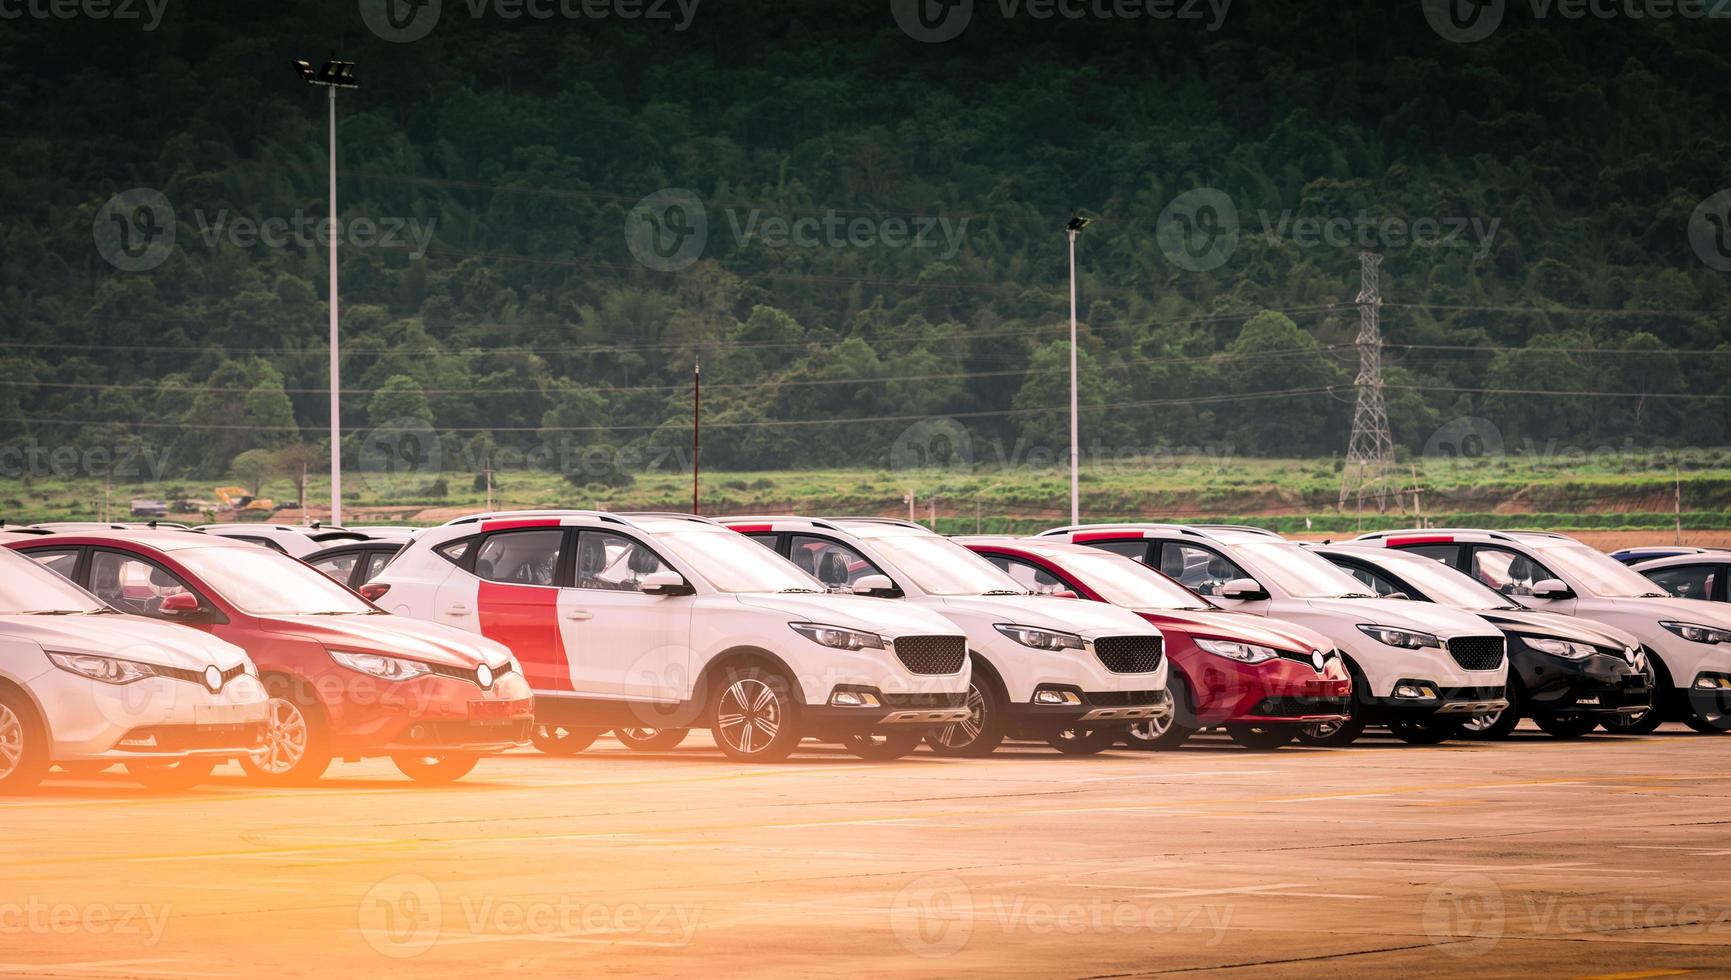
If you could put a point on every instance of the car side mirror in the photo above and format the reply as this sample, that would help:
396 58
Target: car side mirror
1552 588
877 585
181 605
1243 590
664 583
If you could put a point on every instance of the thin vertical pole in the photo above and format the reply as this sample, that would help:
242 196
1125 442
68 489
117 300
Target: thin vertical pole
336 382
1075 495
696 426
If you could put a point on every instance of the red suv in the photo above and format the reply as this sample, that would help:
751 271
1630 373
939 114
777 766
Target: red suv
1260 679
346 679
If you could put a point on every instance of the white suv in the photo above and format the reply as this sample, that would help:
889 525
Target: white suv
83 687
1688 641
1416 667
1075 674
659 622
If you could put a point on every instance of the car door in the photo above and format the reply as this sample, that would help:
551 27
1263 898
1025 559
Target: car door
1698 581
836 565
1032 577
621 643
1514 573
1376 581
507 590
1202 570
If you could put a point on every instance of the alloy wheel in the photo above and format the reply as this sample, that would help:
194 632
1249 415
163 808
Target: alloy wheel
11 741
748 716
285 738
962 733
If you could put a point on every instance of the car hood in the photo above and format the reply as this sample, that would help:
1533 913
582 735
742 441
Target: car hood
1426 617
395 636
1046 612
1560 626
1700 611
885 617
127 637
1240 626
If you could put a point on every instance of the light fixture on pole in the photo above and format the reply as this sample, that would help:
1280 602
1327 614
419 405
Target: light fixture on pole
1075 225
334 75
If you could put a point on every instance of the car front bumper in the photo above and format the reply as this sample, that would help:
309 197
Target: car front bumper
157 718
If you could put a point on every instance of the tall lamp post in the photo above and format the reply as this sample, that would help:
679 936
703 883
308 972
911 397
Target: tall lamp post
1075 225
334 75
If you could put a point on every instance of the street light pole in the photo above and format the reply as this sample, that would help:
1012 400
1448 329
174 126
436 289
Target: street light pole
1076 224
334 75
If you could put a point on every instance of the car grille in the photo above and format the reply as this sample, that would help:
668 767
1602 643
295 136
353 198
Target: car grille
1477 652
1123 699
197 676
932 654
1129 654
1299 707
463 674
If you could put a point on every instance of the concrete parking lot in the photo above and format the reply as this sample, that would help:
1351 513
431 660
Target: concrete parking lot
1604 857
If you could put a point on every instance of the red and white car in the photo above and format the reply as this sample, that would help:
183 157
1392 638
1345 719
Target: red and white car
1259 678
651 624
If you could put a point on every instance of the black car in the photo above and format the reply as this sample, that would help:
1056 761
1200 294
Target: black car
1566 674
355 563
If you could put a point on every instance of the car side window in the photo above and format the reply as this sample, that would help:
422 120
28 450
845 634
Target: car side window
527 557
767 540
1030 576
131 584
454 551
613 562
1686 581
1137 548
63 562
833 563
261 542
1445 553
1377 583
337 567
1509 572
376 562
1200 569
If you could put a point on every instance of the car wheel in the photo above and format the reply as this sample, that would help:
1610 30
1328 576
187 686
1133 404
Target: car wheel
1262 737
1495 727
436 769
23 750
1428 732
1566 726
882 748
296 742
1171 731
1706 713
1084 741
754 717
171 776
650 739
985 727
1648 721
560 740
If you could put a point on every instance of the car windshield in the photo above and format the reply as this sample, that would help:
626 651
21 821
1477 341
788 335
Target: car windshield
939 566
1299 573
732 562
1597 572
26 587
1441 583
261 582
1127 582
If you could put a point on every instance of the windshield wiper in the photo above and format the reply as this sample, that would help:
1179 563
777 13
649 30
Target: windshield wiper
53 612
808 591
1355 595
1005 592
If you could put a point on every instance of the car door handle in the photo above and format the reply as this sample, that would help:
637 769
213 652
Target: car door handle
579 614
457 610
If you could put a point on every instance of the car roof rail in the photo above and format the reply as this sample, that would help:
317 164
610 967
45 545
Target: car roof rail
501 515
1191 529
1403 532
667 515
889 521
813 521
1246 528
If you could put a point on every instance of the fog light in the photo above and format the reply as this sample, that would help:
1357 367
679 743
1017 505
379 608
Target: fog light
1050 697
1415 691
853 699
138 742
1713 682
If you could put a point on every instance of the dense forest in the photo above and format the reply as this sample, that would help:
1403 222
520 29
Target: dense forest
880 230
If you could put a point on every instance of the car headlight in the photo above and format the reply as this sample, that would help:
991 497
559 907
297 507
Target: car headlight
108 670
1698 634
381 666
1560 648
1395 637
838 637
1246 653
1039 639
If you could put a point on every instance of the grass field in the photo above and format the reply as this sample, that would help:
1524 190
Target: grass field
1600 491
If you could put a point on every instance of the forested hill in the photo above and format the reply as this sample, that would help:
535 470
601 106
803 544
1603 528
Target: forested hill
488 171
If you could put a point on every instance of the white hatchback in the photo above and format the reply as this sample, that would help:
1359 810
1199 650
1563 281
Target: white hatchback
83 687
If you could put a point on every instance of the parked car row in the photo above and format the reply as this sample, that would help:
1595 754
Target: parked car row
172 649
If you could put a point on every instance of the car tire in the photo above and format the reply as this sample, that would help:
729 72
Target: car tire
1084 741
23 747
297 739
1172 731
1566 726
169 777
1335 734
1262 738
875 747
754 715
1645 722
1495 728
434 770
986 726
559 740
1429 732
650 739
